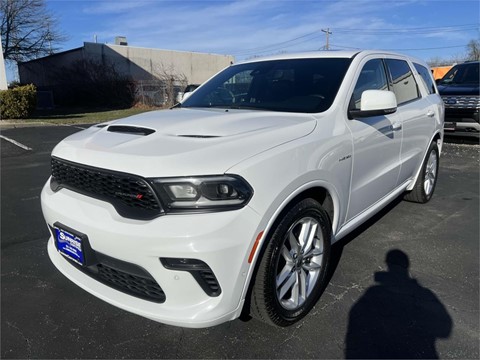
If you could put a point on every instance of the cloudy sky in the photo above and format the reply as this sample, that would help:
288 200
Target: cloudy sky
244 28
247 28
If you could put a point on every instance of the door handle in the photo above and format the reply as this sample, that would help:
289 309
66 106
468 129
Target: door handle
430 113
397 126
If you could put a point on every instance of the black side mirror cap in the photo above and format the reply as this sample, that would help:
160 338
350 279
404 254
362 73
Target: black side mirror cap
354 114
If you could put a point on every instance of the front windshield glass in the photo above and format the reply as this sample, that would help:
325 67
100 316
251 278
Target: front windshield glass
462 74
294 85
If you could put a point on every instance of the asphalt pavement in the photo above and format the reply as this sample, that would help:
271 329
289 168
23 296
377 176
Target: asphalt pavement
406 283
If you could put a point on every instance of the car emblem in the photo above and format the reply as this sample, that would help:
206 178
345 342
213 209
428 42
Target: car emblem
451 101
132 196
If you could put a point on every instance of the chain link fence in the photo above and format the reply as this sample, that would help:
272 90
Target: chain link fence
158 93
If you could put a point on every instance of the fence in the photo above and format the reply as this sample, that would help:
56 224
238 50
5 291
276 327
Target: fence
157 92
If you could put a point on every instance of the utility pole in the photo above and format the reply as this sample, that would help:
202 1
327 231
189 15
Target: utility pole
327 33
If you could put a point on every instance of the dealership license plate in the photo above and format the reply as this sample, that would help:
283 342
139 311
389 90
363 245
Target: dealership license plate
70 245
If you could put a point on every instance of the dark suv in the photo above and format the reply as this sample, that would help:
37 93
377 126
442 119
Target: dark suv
460 92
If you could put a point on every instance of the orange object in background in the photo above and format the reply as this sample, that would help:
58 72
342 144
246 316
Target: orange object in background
440 71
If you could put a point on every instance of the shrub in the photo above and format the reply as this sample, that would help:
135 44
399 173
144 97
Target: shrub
18 103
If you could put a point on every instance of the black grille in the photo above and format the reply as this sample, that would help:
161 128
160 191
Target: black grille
143 287
131 195
210 280
122 276
200 271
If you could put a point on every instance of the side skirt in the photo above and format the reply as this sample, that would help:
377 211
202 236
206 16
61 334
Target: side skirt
356 221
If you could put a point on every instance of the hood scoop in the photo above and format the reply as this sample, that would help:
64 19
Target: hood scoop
134 130
200 136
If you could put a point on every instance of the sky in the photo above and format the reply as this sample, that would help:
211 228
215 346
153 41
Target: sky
245 28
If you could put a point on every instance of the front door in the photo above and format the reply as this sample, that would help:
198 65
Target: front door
376 145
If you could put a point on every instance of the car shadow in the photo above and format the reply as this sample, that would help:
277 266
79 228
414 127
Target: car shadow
396 317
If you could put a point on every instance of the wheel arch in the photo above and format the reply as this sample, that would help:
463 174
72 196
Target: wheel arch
438 138
328 199
322 193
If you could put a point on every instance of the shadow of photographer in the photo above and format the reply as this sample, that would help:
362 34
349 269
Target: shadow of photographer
397 317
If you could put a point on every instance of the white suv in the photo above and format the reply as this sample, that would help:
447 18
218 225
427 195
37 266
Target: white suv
234 197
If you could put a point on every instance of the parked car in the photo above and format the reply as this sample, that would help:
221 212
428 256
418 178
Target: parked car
230 202
460 92
183 95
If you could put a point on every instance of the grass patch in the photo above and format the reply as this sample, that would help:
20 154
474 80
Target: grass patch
77 116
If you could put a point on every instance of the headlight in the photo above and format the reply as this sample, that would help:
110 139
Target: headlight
210 193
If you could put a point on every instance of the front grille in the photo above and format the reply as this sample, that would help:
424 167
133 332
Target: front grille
142 287
461 102
131 195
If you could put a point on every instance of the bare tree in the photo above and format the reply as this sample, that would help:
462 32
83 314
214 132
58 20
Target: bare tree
28 30
473 50
170 80
439 61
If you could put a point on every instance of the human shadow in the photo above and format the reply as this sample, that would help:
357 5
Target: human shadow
397 317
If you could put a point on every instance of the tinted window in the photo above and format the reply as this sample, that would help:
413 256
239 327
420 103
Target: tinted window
372 77
404 84
296 85
462 74
427 77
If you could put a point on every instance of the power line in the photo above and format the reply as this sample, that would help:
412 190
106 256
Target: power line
411 49
316 33
391 32
427 28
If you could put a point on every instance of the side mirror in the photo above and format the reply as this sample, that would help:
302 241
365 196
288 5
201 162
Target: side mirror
375 103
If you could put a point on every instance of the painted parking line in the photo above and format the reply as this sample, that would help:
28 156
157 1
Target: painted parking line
25 147
76 127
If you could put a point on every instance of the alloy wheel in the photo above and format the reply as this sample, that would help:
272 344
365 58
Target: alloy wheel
300 263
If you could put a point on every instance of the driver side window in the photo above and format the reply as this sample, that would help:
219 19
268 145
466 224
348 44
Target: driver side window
372 77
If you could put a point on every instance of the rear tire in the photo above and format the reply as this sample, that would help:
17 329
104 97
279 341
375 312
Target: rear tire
424 187
292 272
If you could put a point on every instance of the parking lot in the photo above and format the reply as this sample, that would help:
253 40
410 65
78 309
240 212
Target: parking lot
424 304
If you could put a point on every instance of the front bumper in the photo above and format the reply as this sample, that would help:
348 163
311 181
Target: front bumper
222 240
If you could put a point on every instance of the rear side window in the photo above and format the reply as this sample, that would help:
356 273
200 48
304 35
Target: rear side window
427 77
404 84
372 77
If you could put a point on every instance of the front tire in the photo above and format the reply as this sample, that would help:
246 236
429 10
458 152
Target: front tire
292 272
424 187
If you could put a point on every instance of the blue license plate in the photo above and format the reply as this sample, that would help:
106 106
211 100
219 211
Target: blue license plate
70 245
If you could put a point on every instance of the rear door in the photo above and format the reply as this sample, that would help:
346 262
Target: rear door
416 115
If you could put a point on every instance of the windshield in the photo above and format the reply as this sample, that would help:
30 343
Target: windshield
462 75
294 85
